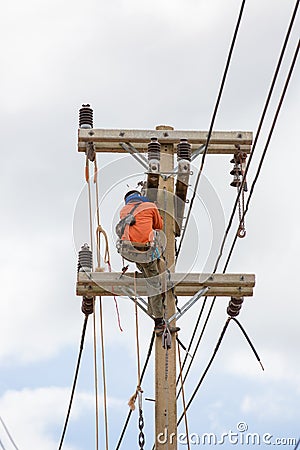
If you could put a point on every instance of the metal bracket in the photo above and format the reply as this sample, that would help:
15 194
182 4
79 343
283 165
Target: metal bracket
130 294
135 153
188 304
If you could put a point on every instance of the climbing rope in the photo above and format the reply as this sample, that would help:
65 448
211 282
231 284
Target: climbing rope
100 231
103 372
142 376
87 177
96 375
139 392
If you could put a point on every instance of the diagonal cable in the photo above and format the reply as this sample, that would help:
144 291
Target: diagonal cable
74 382
8 434
266 145
212 123
247 206
275 76
142 376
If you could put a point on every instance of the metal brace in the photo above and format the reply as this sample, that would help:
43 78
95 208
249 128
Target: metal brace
188 304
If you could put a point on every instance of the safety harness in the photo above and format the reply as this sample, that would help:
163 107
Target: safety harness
135 251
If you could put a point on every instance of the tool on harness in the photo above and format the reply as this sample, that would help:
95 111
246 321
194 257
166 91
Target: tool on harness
137 252
124 269
129 219
167 339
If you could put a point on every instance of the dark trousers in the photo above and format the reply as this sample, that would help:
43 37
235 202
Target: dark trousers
151 273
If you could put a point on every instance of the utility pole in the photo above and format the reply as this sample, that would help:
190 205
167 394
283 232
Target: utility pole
194 285
165 359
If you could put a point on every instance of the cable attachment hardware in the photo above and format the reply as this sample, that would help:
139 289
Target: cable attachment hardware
87 306
239 161
141 422
166 338
90 151
234 306
85 259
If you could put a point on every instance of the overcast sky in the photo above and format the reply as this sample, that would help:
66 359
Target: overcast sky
141 64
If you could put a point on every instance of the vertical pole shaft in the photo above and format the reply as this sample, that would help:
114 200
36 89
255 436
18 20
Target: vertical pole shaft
165 386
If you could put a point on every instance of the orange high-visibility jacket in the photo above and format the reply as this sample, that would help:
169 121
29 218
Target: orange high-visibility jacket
147 219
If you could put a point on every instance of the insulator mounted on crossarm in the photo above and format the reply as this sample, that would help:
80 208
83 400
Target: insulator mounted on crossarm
184 153
85 259
87 306
153 169
86 117
234 306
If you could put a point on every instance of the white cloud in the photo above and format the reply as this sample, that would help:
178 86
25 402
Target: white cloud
139 64
273 405
30 414
279 366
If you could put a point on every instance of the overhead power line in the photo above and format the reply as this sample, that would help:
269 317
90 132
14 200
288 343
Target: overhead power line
266 106
257 134
213 357
8 434
212 123
142 376
75 381
297 445
266 145
247 206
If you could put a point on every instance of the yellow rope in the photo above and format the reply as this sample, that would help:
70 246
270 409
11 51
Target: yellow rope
96 375
100 230
131 402
103 374
106 260
183 398
87 177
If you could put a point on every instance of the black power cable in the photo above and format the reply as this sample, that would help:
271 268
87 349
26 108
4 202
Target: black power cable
142 376
212 122
206 370
297 445
213 357
198 342
75 381
192 339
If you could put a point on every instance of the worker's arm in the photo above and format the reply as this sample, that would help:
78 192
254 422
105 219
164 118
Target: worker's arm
157 220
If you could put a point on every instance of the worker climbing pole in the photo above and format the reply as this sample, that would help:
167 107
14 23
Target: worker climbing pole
166 200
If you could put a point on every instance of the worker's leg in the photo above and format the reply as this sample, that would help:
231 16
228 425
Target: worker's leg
151 273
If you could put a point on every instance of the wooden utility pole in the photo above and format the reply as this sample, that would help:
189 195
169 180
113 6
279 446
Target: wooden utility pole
165 359
92 284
